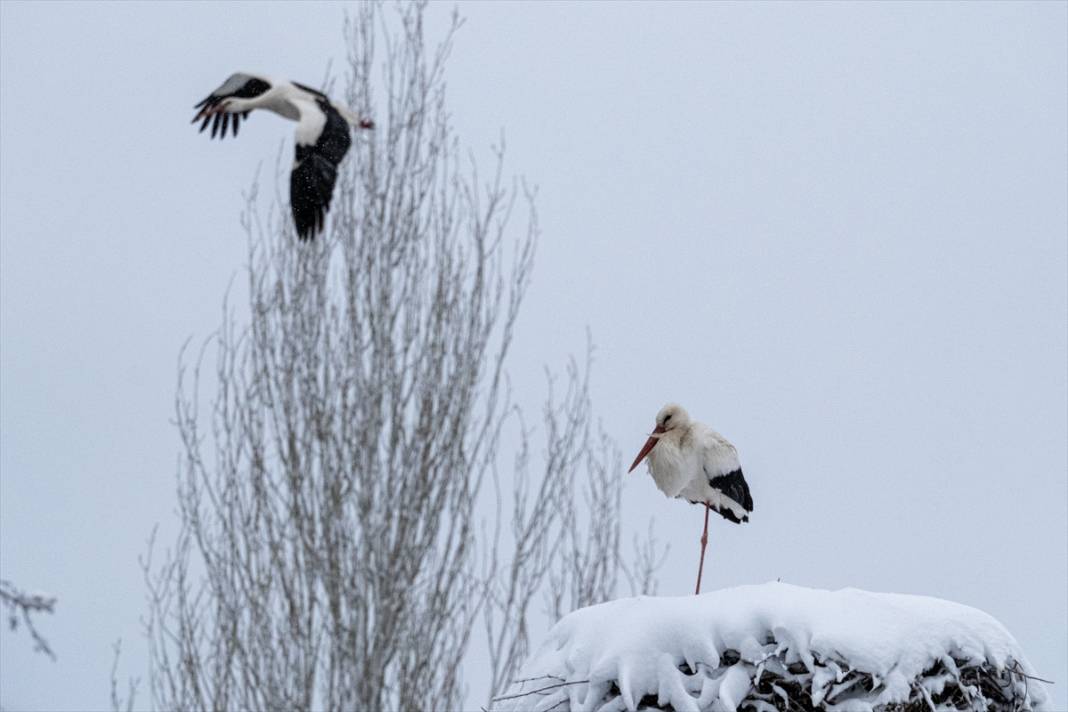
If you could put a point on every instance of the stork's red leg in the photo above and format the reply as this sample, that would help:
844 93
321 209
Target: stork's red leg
704 541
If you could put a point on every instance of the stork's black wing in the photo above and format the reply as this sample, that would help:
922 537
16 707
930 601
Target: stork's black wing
222 121
241 86
311 184
733 485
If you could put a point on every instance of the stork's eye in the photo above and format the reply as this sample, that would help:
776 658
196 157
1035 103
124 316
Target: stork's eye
667 418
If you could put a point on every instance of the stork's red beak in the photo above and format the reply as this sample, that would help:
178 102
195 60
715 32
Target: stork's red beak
648 447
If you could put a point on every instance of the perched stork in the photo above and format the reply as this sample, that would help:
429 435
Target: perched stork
322 136
691 461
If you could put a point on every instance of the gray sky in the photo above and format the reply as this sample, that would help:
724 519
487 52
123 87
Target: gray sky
836 233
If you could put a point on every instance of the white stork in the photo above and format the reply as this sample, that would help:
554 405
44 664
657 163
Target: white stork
691 461
322 136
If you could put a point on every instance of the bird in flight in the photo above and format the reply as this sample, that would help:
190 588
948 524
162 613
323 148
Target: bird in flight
322 136
691 461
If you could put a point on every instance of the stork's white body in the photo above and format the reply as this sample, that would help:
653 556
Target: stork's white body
686 459
296 104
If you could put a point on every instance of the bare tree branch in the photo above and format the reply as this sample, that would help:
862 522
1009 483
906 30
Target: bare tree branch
119 703
21 607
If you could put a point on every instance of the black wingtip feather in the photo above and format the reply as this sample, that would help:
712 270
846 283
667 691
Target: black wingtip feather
733 485
204 125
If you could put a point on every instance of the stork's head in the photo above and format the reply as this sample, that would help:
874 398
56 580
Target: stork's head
670 417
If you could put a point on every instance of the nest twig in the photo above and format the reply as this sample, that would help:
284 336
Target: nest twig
949 684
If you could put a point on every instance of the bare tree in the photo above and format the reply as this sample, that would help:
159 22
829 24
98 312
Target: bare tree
514 583
568 554
330 554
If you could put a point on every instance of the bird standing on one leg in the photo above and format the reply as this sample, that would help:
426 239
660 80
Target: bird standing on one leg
691 461
322 136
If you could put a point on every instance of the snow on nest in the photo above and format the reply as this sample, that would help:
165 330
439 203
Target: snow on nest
698 653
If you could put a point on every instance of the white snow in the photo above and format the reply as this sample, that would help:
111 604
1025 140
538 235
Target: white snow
639 643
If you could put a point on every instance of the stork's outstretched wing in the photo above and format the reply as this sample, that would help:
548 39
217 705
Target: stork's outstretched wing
241 86
322 141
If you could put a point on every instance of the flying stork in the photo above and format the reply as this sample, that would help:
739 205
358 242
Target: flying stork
322 136
691 461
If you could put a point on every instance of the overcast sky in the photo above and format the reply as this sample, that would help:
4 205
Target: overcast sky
836 233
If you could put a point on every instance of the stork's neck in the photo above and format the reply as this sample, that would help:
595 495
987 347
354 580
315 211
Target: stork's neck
667 463
678 437
279 99
237 105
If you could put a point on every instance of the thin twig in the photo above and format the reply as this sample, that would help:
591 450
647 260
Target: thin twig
539 690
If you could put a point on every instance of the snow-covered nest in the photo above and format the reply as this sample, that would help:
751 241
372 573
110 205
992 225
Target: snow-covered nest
777 647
